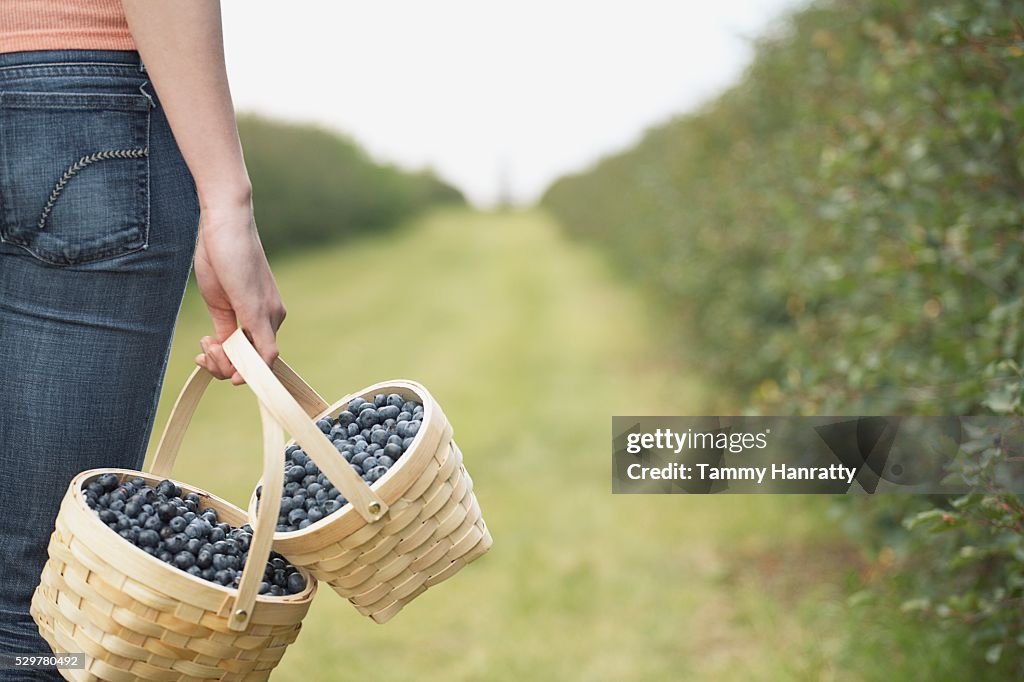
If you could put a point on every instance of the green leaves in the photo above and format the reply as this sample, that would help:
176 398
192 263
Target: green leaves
843 232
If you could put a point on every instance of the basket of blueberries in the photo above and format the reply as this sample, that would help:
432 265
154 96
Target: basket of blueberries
154 579
375 500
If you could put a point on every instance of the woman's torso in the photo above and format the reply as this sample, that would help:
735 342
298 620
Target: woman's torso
70 25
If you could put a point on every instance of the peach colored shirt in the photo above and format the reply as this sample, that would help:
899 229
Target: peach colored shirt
63 25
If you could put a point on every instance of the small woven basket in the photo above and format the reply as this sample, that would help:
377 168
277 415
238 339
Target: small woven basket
413 528
137 618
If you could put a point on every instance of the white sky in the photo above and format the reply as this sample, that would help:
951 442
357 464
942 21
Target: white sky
480 88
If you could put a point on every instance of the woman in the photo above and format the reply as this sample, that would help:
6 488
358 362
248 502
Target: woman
119 159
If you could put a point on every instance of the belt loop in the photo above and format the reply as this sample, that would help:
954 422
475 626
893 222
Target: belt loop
142 67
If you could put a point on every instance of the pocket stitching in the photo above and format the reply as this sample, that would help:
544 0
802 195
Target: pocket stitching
82 163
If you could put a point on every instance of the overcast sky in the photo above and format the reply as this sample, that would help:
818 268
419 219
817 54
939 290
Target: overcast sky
480 90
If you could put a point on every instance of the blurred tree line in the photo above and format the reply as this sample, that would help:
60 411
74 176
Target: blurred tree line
312 185
842 232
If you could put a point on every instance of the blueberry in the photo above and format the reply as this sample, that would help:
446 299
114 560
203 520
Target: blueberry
176 543
331 506
153 523
413 428
295 473
276 591
296 583
224 577
355 404
353 429
364 407
408 406
322 496
194 570
281 527
345 418
392 451
313 488
368 418
368 463
359 457
220 547
108 517
386 461
338 431
220 562
139 483
333 493
280 577
264 587
178 523
208 573
210 515
204 559
395 400
375 473
304 523
310 503
325 425
341 446
394 438
149 538
165 556
184 560
404 416
166 511
291 487
286 505
388 412
379 437
314 515
108 481
168 489
359 447
96 488
166 532
216 535
300 457
407 443
311 468
193 546
291 448
296 515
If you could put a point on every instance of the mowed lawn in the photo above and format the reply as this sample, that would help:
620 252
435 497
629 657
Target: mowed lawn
530 344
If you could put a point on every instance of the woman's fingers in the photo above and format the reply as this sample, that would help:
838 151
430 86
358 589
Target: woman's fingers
216 361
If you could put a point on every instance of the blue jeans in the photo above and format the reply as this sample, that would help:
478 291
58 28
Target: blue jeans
98 225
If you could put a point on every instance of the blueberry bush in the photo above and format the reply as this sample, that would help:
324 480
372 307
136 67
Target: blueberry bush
842 232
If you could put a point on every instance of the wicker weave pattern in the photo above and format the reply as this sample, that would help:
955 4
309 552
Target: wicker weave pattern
433 526
137 618
429 533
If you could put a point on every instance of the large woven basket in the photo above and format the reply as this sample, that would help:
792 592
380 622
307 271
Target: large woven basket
413 528
137 618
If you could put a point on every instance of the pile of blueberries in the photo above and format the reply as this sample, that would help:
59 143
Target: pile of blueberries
173 528
370 435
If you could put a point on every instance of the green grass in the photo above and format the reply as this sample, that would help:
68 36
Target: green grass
531 344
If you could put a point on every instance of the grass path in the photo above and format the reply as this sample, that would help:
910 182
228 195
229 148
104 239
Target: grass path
530 344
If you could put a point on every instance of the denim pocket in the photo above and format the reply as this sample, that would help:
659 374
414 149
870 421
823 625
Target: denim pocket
74 174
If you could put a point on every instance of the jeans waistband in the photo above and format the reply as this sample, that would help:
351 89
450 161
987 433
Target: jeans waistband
56 61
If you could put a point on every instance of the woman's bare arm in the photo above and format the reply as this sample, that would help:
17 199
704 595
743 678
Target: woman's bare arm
183 49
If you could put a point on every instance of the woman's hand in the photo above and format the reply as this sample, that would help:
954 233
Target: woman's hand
235 281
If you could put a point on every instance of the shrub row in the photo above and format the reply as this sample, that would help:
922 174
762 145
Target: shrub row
842 231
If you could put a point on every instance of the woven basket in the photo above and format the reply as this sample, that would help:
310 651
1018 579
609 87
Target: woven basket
137 618
413 528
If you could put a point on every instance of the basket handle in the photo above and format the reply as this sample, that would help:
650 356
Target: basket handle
266 524
273 394
241 606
